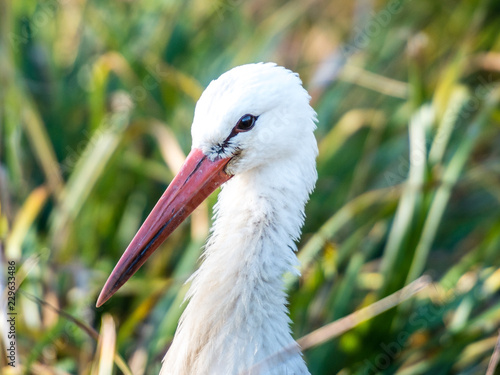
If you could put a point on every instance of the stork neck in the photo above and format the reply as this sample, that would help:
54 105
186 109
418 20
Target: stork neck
238 289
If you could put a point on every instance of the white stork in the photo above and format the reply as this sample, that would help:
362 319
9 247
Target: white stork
253 134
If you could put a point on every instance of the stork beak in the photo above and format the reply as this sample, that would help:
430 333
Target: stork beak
197 179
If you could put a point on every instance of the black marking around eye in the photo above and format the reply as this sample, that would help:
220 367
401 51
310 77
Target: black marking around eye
220 148
246 123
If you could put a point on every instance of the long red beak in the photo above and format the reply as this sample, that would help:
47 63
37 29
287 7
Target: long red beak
197 179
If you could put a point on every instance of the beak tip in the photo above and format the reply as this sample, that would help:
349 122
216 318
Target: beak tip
101 300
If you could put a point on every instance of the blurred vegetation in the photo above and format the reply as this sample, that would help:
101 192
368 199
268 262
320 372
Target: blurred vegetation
96 103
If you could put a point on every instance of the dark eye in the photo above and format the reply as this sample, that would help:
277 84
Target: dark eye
245 123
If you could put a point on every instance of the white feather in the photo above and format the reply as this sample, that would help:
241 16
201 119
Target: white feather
236 321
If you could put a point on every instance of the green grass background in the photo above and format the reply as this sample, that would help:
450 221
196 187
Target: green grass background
96 103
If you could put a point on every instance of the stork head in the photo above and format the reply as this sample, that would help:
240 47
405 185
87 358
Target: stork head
250 116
